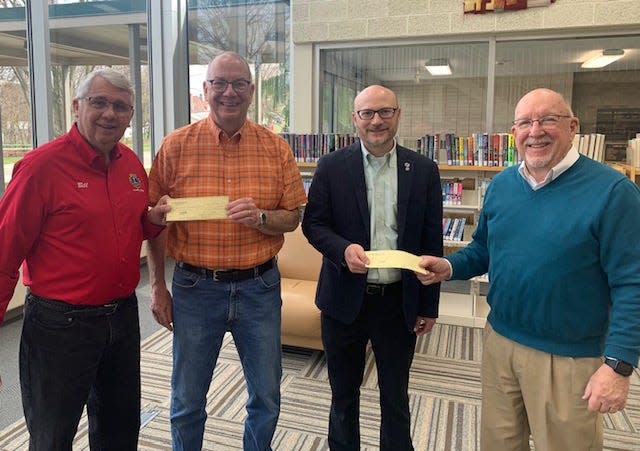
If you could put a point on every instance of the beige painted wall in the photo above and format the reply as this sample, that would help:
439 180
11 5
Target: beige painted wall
315 21
339 22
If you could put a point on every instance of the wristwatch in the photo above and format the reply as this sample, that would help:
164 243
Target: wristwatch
262 219
619 366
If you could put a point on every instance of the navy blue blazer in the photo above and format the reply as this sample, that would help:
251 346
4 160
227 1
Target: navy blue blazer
337 214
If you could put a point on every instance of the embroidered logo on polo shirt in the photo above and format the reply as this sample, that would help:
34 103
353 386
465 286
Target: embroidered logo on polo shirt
135 181
83 184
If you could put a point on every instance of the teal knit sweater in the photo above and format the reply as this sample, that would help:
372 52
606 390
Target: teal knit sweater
563 261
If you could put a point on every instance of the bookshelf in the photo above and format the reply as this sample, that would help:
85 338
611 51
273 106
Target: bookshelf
464 302
619 125
630 171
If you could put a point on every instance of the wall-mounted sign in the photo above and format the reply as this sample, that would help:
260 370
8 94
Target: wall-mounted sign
497 6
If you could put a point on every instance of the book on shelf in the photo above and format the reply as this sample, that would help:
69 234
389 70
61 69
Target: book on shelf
429 145
451 192
478 149
308 148
633 151
453 228
590 145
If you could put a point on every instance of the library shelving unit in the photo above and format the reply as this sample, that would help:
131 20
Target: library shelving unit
630 171
464 303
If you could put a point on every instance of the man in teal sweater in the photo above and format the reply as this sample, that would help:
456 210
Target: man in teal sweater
559 236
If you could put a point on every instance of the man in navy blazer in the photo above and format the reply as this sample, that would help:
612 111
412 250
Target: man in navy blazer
373 195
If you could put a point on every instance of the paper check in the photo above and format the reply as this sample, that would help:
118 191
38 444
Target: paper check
197 208
394 259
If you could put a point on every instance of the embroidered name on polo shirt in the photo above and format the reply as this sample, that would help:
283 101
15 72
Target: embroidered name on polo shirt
83 184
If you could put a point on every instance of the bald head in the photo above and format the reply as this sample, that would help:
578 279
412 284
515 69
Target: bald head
374 92
544 97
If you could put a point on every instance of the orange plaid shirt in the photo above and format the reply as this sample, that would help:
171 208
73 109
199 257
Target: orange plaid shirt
201 160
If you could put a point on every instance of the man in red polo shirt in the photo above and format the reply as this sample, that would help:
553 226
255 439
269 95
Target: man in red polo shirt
76 212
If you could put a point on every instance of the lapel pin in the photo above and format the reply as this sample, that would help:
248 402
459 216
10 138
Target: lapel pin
407 166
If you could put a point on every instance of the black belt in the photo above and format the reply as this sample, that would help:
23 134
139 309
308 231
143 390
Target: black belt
229 275
381 289
81 310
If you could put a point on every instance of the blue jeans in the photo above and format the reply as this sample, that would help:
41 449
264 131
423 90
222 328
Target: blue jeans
203 310
71 356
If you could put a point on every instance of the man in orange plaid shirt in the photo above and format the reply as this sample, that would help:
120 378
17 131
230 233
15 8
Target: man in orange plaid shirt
226 278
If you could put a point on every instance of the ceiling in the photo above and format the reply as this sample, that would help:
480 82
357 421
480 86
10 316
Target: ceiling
469 60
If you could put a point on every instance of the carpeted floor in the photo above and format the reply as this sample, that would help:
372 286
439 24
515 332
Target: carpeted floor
444 395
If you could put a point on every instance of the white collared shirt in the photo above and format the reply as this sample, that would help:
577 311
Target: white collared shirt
569 160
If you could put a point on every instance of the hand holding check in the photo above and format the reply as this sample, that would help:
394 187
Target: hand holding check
197 208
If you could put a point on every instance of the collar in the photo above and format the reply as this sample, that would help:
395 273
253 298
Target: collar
221 136
569 160
389 157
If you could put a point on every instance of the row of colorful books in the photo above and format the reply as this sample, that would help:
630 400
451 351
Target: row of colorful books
479 149
308 148
451 192
453 228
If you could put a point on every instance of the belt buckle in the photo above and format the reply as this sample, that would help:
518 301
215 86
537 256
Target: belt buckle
215 275
374 290
112 306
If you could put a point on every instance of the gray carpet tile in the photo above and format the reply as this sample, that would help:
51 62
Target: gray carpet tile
444 397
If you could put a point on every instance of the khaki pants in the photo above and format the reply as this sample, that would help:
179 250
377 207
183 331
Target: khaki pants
529 392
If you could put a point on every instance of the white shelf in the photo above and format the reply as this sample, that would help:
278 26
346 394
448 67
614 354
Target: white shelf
455 309
453 243
468 208
466 309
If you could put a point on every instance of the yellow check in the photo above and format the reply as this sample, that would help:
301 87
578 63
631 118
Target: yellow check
394 259
197 208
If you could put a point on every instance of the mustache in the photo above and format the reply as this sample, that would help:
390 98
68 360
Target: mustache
537 142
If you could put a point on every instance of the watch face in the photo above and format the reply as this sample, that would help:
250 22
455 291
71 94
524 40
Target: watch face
624 368
619 366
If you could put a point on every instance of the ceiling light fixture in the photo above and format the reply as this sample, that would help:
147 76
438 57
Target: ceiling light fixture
437 67
607 57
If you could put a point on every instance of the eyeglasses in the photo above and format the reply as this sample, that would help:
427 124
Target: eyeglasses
220 84
101 104
546 122
384 113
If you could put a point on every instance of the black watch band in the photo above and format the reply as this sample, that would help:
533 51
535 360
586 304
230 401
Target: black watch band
619 366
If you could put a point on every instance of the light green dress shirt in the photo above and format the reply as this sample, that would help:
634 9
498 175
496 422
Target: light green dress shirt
381 178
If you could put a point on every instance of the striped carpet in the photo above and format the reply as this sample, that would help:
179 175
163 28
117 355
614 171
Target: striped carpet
444 396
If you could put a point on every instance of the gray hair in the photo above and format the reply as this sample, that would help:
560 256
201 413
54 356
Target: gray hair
115 78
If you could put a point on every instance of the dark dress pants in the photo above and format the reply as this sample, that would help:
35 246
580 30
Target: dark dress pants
71 356
381 321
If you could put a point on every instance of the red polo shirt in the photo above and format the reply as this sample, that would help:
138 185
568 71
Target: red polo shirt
76 222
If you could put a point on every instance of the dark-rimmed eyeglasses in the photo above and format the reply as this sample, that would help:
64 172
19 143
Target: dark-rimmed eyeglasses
101 104
220 84
548 122
384 113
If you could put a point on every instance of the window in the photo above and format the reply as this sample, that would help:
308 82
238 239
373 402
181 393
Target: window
258 31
